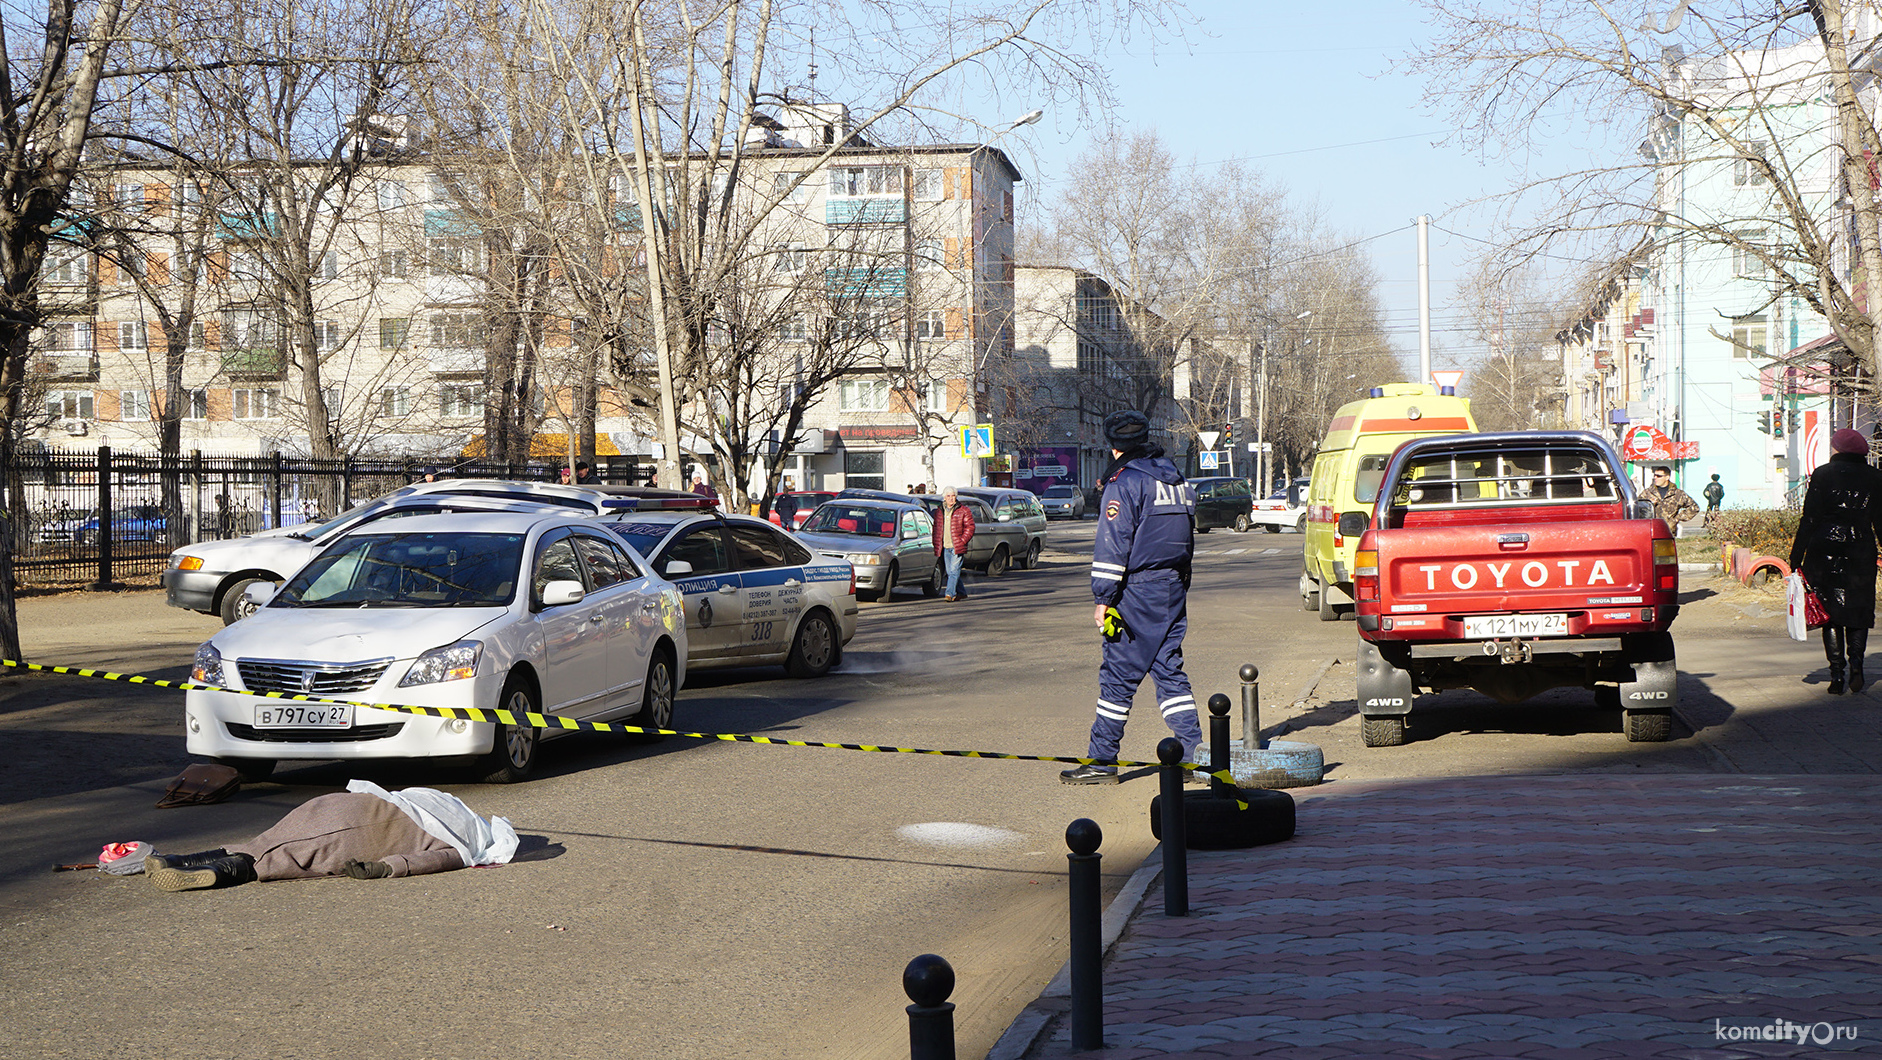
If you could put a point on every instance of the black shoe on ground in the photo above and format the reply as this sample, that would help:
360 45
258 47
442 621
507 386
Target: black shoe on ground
153 862
227 871
1836 685
1089 775
1856 680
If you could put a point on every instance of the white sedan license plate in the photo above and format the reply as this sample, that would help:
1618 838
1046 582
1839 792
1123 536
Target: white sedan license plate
303 716
1516 626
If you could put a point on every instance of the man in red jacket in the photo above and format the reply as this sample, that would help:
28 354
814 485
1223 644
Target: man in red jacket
953 529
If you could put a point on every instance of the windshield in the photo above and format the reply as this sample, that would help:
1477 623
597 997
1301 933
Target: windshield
835 517
410 570
1061 491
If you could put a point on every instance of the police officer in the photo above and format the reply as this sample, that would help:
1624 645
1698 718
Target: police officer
1140 566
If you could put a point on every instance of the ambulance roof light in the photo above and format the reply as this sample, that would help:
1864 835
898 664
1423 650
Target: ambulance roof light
1377 391
1448 391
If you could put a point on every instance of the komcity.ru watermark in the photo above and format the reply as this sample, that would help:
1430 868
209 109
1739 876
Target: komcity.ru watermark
1819 1033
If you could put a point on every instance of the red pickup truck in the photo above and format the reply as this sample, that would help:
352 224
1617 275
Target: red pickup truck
1512 564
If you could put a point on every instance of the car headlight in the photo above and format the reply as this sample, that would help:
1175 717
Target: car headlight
207 669
181 562
864 559
453 662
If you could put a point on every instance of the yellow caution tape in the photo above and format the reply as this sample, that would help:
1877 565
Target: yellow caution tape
557 721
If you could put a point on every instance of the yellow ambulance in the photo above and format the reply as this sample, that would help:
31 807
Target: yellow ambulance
1347 472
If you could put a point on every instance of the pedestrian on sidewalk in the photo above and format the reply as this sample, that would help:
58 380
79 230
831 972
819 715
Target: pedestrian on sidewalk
1714 493
1835 551
1669 501
1140 567
953 529
365 832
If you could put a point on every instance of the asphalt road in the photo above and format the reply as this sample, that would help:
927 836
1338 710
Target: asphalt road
682 899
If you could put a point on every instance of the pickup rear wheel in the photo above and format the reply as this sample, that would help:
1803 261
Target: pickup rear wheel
1382 730
1649 726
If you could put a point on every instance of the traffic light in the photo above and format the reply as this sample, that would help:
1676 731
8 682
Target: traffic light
1777 423
1764 423
1793 420
1228 433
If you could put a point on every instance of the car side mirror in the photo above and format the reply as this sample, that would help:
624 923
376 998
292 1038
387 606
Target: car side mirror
557 593
676 567
1352 524
1643 510
260 593
910 533
1005 517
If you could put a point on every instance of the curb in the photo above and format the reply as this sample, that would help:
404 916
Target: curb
1056 999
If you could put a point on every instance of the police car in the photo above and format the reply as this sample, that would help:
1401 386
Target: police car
754 593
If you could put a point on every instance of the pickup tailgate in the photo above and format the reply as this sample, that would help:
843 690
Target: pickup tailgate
1473 582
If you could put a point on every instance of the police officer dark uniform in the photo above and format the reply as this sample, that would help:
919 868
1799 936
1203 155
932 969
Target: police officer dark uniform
1140 566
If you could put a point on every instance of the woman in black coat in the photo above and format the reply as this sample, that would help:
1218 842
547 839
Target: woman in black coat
1835 550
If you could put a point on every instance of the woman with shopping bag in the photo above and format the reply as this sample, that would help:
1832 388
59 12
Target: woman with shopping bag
1835 551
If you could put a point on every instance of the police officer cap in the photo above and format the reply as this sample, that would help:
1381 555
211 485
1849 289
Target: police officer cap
1126 429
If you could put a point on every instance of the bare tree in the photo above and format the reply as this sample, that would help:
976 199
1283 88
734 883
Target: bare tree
1516 383
1719 88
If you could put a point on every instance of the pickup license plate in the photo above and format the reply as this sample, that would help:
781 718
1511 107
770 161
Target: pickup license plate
303 716
1516 626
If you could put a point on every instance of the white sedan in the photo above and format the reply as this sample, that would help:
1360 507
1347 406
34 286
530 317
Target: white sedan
1287 508
532 612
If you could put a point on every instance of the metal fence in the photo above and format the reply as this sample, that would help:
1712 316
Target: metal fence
60 502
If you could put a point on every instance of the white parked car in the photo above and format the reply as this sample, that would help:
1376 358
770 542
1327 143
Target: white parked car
1286 509
755 594
211 576
530 611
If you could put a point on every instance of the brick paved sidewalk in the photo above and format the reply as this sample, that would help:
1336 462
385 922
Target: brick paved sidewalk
1546 917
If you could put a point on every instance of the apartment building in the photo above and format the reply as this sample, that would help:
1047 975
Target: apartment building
911 246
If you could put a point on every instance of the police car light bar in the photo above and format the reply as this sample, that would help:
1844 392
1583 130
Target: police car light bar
655 504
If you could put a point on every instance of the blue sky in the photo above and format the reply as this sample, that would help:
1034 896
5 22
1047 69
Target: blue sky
1316 99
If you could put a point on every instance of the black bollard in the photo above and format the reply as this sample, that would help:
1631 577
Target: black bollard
1175 843
1087 933
1218 743
928 980
1251 709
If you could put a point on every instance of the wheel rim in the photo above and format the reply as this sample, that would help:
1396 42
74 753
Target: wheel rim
519 741
814 642
660 695
1241 524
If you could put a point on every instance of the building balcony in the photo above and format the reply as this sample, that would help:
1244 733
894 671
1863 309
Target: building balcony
70 366
864 211
254 363
455 360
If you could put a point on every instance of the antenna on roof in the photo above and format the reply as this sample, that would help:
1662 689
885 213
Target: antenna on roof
813 65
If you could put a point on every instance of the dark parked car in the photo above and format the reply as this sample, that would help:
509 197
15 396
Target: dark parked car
1223 502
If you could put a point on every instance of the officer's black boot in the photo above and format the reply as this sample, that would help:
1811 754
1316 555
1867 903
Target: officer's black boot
1856 639
1833 649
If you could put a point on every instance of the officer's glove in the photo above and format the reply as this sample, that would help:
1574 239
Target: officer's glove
367 870
1113 624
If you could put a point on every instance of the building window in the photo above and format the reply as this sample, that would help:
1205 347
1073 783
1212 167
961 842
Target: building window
927 185
863 471
69 404
326 335
866 180
1746 261
933 396
245 265
133 404
196 405
199 335
394 265
65 266
1749 336
391 194
257 404
454 255
393 332
1090 358
461 399
330 265
68 336
789 257
456 331
781 186
931 324
1747 171
1100 313
128 196
794 328
133 335
929 255
250 330
863 395
395 401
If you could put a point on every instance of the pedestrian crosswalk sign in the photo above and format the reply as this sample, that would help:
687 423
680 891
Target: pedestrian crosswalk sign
1211 460
976 439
